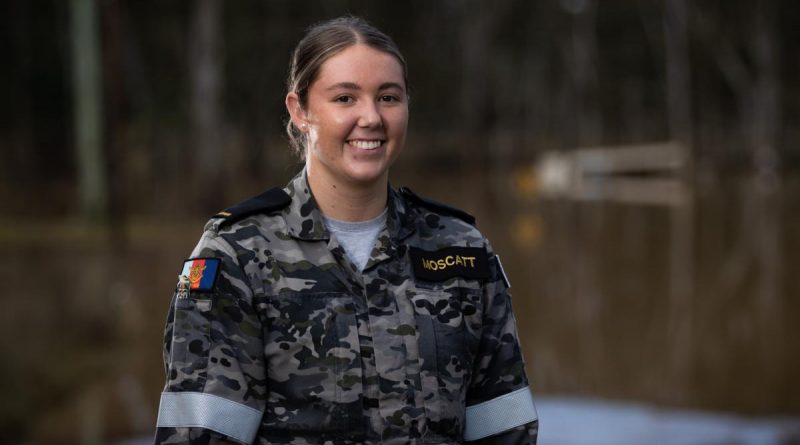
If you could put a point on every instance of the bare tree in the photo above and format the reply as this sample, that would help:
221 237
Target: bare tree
765 199
679 117
582 126
88 105
19 160
751 71
583 119
206 119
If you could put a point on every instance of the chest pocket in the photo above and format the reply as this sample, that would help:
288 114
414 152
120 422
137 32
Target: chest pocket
314 365
447 346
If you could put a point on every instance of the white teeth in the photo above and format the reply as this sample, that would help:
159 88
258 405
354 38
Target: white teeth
366 145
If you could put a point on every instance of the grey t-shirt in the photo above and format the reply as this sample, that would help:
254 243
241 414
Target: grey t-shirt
357 238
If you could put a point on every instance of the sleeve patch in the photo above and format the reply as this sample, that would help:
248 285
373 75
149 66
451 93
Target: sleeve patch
442 264
201 273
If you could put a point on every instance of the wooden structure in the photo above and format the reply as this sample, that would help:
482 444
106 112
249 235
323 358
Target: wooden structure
650 174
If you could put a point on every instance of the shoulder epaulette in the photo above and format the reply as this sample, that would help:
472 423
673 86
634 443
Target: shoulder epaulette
437 206
269 201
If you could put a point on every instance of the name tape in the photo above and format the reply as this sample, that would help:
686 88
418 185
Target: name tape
443 264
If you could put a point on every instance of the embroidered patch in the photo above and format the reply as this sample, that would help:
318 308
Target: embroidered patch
440 265
202 273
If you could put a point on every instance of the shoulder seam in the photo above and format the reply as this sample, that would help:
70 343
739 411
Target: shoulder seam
269 201
436 206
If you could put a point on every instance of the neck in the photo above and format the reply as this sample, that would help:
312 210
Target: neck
348 201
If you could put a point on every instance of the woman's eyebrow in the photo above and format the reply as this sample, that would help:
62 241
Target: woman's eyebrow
355 86
388 85
344 85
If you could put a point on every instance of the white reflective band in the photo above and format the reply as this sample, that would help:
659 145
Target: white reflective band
196 409
499 414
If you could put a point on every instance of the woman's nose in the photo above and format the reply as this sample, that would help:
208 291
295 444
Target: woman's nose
370 115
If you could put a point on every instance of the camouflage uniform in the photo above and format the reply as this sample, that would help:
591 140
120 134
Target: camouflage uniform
293 345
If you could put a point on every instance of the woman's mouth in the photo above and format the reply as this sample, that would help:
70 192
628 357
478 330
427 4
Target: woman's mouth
365 144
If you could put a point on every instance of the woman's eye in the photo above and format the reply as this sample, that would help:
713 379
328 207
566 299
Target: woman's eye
389 98
344 99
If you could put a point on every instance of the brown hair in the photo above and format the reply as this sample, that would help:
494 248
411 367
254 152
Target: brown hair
321 42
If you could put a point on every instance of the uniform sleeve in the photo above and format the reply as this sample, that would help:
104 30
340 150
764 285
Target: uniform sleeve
500 408
213 357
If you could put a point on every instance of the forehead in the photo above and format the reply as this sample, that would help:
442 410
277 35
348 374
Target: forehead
360 64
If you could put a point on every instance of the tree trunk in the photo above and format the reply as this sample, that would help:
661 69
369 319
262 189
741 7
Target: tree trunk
679 113
584 72
114 93
759 243
585 127
766 121
88 111
206 126
18 160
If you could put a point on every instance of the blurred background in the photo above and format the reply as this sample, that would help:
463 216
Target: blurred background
635 164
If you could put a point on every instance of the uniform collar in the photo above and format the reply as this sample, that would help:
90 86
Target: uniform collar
304 218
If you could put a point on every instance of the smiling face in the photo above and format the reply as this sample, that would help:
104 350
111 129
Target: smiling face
355 117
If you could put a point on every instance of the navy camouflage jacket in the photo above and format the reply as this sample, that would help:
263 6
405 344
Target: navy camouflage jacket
275 337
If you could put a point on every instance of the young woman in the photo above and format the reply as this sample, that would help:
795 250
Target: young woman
337 310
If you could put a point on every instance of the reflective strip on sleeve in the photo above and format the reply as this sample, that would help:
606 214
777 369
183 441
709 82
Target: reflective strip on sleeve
196 409
499 414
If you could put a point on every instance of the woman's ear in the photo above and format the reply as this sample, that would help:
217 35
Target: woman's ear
296 113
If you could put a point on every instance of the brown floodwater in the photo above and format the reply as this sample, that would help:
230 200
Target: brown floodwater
593 287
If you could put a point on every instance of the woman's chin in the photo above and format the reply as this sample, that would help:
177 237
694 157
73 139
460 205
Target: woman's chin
367 172
368 177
